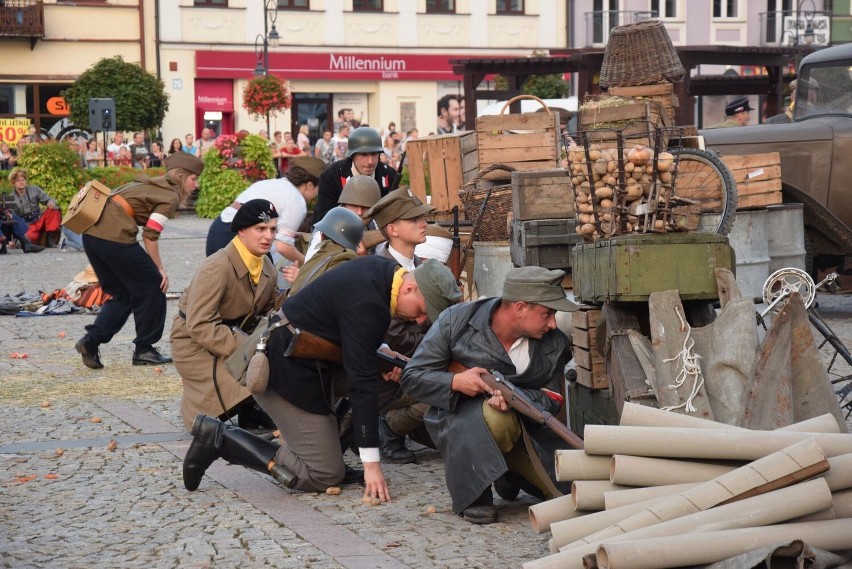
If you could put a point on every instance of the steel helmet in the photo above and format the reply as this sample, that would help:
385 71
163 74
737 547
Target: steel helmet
360 190
364 140
342 226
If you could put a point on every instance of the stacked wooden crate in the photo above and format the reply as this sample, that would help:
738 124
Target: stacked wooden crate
758 178
591 366
438 166
543 219
660 92
525 141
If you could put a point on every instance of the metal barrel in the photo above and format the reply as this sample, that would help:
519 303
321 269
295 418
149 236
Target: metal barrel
750 242
492 260
786 232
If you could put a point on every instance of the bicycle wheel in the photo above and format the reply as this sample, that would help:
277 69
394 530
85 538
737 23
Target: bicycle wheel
708 186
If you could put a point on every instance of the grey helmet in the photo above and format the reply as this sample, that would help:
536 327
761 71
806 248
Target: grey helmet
342 226
360 190
364 140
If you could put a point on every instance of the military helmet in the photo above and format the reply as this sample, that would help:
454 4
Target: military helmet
360 190
342 226
364 140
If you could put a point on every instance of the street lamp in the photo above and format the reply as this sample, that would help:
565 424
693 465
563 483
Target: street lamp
270 37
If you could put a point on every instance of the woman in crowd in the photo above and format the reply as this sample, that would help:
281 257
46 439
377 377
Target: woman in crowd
93 158
176 146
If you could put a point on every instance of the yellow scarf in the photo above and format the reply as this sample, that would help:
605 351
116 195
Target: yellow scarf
395 286
254 264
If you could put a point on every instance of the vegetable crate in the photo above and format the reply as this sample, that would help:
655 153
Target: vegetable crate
663 93
525 141
439 166
591 366
623 179
541 194
602 115
758 178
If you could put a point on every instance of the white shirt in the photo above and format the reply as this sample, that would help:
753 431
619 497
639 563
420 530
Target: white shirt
519 353
287 200
114 148
404 262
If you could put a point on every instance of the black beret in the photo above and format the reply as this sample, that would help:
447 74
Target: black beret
253 212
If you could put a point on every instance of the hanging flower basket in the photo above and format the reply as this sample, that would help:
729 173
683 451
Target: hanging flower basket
266 95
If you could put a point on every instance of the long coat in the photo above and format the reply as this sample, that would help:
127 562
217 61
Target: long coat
220 295
335 176
472 460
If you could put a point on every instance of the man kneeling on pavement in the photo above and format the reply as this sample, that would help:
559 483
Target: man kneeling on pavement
299 395
481 440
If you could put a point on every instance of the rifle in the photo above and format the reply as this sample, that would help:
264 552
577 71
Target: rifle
454 261
395 185
515 398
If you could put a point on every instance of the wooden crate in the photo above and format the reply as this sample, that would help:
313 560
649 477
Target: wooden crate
594 378
585 319
543 242
542 194
525 141
758 178
661 92
447 161
636 121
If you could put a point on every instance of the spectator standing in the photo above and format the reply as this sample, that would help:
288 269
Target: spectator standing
94 157
324 149
116 146
157 154
341 142
448 113
189 145
205 143
303 140
176 146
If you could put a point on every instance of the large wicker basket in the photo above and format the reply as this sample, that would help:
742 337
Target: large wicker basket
492 202
640 54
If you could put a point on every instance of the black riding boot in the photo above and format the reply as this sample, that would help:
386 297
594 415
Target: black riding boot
214 439
28 246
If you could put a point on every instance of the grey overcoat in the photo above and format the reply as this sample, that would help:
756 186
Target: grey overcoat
455 422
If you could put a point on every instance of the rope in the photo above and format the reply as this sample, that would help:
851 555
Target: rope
687 367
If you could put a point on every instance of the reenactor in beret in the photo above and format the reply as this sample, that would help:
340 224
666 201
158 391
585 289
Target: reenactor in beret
230 291
481 440
134 277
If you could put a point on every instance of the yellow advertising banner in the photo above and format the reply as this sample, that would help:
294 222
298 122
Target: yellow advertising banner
12 130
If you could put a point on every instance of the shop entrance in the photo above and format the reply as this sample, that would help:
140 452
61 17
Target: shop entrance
312 109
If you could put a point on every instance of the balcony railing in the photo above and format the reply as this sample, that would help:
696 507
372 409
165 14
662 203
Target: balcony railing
599 24
22 19
795 28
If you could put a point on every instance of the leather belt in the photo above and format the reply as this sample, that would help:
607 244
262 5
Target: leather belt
124 205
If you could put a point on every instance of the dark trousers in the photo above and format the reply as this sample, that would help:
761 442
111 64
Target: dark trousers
218 236
127 273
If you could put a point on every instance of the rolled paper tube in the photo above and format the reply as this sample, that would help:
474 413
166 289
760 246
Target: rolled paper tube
839 475
570 530
798 462
771 508
545 513
842 504
712 546
577 465
629 470
643 416
719 444
619 498
589 494
822 515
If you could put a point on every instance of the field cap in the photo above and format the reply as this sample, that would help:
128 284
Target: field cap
253 212
185 161
313 166
438 286
360 190
399 204
737 106
537 285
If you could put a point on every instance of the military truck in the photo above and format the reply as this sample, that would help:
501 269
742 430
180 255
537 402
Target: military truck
816 155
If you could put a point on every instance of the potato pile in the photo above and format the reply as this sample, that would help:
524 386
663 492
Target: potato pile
603 199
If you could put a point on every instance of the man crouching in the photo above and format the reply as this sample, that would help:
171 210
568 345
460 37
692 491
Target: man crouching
481 440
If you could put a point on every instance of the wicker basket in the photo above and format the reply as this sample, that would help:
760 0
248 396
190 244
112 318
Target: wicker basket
493 202
640 54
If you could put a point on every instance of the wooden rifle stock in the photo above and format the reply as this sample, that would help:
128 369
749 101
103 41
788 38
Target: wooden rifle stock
454 261
515 398
308 345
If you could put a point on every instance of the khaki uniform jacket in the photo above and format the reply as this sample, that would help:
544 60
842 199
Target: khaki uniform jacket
221 291
146 196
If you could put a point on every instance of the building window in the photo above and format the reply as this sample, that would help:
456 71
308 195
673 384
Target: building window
368 6
510 6
664 8
725 8
294 4
440 6
211 3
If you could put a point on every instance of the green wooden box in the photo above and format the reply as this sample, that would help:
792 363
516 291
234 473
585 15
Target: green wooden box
628 268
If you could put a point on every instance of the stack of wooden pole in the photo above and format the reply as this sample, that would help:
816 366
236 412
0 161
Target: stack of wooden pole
642 490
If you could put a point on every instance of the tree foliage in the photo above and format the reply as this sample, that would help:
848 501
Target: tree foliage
140 98
55 166
546 86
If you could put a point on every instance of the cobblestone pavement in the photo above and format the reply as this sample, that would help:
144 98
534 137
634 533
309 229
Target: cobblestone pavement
90 463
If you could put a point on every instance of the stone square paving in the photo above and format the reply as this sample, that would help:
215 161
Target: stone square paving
90 462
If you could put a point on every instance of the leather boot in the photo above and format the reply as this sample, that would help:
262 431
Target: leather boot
30 247
482 511
392 446
214 439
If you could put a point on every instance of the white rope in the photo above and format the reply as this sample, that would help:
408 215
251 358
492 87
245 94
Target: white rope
687 367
